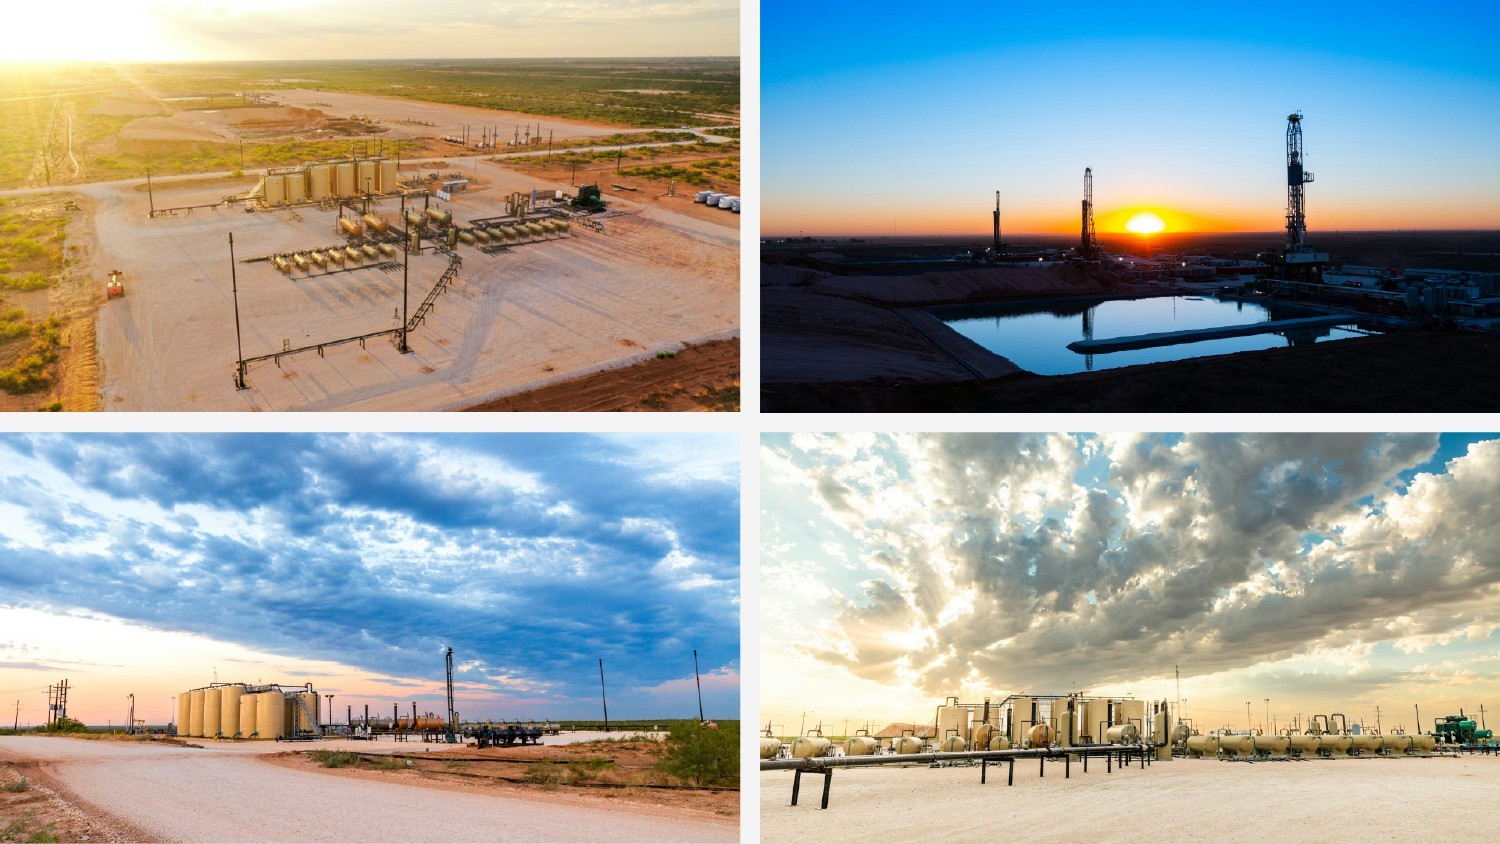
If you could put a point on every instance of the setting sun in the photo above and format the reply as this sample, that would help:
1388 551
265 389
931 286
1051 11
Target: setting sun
1145 223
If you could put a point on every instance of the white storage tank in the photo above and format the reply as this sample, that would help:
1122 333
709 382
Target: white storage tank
195 713
344 179
212 713
229 708
296 187
769 747
808 747
275 190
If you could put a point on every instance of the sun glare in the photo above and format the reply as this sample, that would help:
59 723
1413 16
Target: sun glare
1145 223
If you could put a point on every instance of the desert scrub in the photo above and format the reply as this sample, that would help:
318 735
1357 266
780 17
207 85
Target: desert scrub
16 787
544 774
334 758
703 755
589 767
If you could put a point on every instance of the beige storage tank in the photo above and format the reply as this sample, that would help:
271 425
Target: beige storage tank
296 187
275 190
1131 712
195 713
183 713
351 228
1180 733
438 215
335 256
905 744
270 715
367 176
1200 746
953 720
318 181
353 253
1272 744
808 747
310 702
1395 744
1364 743
1423 743
389 181
1241 745
563 225
466 237
999 742
318 258
212 713
389 250
860 746
1041 735
343 179
1020 716
300 260
1122 734
1095 721
1336 744
370 250
1304 745
375 223
535 229
415 218
983 733
282 263
481 235
247 716
953 744
770 748
229 708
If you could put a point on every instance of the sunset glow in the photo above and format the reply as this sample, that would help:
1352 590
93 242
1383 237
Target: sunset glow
1145 223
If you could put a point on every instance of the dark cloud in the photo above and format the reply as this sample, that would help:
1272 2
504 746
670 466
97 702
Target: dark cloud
535 557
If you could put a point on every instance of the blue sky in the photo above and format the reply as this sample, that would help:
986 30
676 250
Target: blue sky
533 556
1320 570
882 116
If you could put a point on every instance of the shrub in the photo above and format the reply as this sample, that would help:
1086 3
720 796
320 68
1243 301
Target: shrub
544 774
16 787
334 758
703 755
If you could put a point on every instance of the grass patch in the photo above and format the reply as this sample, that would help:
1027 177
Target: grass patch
457 765
545 774
20 830
31 372
16 787
721 400
589 767
334 758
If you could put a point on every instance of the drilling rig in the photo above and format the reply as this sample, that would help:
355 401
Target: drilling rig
1303 263
1088 246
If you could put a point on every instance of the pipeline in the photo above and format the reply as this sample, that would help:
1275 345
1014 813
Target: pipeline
820 763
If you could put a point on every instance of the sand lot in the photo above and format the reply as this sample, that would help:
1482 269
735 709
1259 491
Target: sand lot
655 281
1366 799
223 793
446 119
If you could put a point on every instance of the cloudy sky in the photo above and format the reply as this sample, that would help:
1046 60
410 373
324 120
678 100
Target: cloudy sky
142 564
176 30
1326 572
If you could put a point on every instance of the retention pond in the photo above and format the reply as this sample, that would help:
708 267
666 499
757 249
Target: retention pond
1037 337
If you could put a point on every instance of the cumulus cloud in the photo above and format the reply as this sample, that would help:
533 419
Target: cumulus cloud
533 556
1041 560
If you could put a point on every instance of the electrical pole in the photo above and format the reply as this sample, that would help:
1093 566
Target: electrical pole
234 284
1267 722
700 685
150 197
1248 726
17 724
604 697
1178 671
1377 720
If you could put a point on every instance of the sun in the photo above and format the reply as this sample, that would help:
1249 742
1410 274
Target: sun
1145 223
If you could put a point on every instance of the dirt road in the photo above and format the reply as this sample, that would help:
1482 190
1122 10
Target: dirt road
227 794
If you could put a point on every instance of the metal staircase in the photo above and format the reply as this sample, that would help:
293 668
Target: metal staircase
311 719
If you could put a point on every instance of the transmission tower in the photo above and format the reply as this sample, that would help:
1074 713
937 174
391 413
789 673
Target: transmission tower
1088 248
1296 177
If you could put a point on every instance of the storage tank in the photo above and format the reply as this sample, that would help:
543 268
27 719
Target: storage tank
275 190
770 748
415 218
953 744
1332 744
1096 721
860 746
389 250
353 253
1270 744
1131 712
212 712
229 708
318 258
343 179
999 742
1304 745
351 228
1395 744
536 230
1423 744
1041 735
1241 745
1200 746
438 215
318 181
983 733
281 263
183 708
389 180
270 716
466 237
1180 733
376 224
367 176
296 187
335 256
808 747
905 744
953 720
247 716
1364 744
195 713
370 251
1122 734
481 235
564 225
310 700
300 260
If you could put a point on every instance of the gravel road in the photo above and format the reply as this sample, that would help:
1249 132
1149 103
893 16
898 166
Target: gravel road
226 794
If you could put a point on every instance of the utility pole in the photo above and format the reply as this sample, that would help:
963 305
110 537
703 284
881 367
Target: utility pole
1248 725
603 696
1178 671
1267 722
1377 720
150 197
239 366
17 724
700 685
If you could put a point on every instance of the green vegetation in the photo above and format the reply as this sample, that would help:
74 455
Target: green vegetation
704 755
31 249
20 830
720 400
28 374
544 774
63 725
589 767
334 758
16 787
